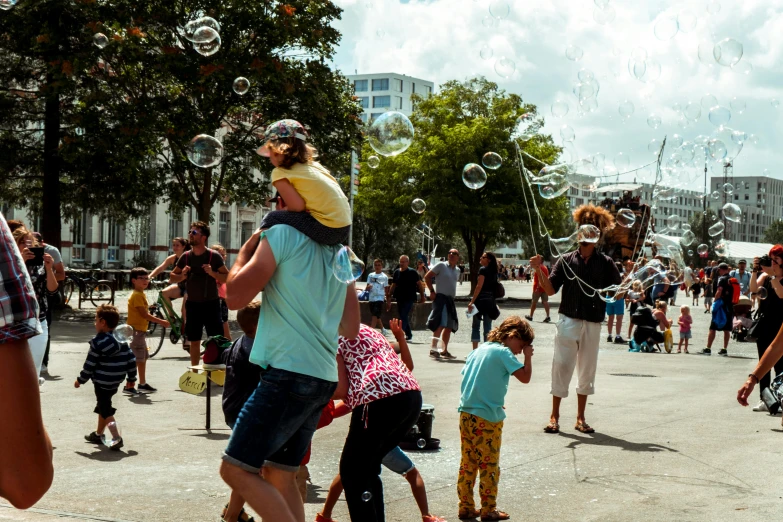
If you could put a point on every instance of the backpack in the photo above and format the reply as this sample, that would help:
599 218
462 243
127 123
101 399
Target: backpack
735 286
643 316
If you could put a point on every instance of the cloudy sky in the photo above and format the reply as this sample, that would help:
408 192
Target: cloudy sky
440 40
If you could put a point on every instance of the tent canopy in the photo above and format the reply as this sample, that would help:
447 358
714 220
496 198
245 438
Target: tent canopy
619 187
736 249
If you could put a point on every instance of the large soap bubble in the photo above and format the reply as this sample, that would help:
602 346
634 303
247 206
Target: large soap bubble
719 116
705 53
733 146
685 227
207 47
552 181
732 212
391 134
241 85
5 5
123 333
564 244
739 137
727 52
473 176
625 218
492 160
728 188
559 108
418 206
673 222
204 151
688 237
588 234
716 229
189 31
347 266
722 249
717 150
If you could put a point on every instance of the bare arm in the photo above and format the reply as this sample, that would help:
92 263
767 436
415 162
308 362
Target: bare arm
428 277
543 280
523 375
26 469
349 324
161 267
220 275
771 356
405 354
59 271
251 272
342 380
51 279
147 316
293 201
178 274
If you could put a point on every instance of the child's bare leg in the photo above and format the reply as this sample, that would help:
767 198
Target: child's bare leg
235 505
374 322
141 367
686 345
102 424
419 491
609 324
335 490
679 345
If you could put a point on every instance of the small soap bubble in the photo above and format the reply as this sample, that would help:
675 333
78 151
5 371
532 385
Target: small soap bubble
753 139
604 15
241 85
715 195
702 249
653 121
622 161
499 9
728 188
208 47
713 7
727 52
347 266
654 147
418 206
716 229
473 176
391 134
567 133
626 109
373 162
585 75
489 21
692 111
762 293
743 67
204 151
505 67
737 105
719 116
717 149
559 108
625 218
732 212
123 333
666 27
492 160
690 253
114 436
708 101
686 21
486 52
637 68
366 496
676 140
100 40
652 71
574 53
722 249
673 222
739 137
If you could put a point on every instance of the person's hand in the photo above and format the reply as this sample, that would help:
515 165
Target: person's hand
470 307
165 324
185 271
528 351
27 254
208 269
395 325
745 391
388 305
536 261
368 287
76 384
48 261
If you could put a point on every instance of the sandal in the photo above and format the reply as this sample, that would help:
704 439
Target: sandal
552 427
679 351
243 516
583 427
686 351
320 518
496 515
465 514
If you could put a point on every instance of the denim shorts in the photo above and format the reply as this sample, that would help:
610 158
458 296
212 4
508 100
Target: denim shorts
397 461
616 308
278 421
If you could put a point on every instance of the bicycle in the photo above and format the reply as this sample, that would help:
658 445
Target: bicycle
95 290
162 310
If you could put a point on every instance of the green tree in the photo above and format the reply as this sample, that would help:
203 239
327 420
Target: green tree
699 225
455 127
774 233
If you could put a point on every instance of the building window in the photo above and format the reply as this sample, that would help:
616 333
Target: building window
381 101
364 101
113 250
363 116
360 85
397 85
381 84
398 102
413 88
175 230
79 237
248 227
374 116
224 229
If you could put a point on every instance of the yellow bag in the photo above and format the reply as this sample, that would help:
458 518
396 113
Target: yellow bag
668 340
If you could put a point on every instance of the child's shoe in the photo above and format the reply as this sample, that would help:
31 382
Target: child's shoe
146 388
133 392
94 438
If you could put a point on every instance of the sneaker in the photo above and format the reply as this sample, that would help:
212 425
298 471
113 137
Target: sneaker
94 438
706 311
408 337
548 319
706 351
116 444
761 406
723 352
435 354
529 317
609 338
619 340
146 388
133 392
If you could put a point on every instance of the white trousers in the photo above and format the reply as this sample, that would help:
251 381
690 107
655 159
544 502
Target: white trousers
576 345
37 346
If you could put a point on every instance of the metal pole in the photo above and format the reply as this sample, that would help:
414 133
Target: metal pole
354 160
704 214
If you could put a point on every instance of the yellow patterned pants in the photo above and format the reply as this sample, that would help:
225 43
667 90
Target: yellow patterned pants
480 454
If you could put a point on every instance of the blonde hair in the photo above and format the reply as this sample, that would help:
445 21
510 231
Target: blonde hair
20 233
661 305
220 248
513 326
636 286
293 150
685 310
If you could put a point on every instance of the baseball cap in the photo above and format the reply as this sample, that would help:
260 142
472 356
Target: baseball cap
742 262
723 266
279 130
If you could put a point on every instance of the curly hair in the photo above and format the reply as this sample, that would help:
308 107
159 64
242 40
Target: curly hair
594 215
293 151
513 326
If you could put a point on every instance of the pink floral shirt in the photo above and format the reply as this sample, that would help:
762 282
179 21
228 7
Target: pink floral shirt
374 370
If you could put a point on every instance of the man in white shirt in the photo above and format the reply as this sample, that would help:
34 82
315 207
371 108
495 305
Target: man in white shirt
688 278
443 319
377 282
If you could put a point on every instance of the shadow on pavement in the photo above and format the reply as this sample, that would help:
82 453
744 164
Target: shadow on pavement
107 455
606 440
213 436
314 494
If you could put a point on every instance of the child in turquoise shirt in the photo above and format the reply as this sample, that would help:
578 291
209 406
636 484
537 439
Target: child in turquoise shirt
484 385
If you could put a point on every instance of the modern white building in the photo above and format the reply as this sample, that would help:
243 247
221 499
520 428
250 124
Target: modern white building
759 197
383 92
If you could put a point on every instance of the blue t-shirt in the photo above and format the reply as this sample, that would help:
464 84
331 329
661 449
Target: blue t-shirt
301 307
379 283
485 381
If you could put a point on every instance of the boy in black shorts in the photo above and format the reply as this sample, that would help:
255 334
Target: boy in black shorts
377 282
107 364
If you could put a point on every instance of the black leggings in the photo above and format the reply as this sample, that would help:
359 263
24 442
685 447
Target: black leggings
387 420
762 343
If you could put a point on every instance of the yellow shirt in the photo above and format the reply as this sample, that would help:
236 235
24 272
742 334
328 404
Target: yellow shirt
323 197
135 319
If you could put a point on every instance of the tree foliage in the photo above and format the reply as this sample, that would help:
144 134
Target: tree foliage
455 127
700 223
774 233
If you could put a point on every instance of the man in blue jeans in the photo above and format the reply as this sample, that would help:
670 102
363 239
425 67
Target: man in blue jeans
406 282
296 348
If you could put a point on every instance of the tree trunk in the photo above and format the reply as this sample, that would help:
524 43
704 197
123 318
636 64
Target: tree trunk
204 209
475 243
51 219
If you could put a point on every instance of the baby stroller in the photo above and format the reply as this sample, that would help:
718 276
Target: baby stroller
742 320
646 336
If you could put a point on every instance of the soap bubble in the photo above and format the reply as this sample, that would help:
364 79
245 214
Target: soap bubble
585 75
489 21
717 149
552 181
637 68
673 222
654 147
373 162
601 3
209 47
685 227
113 438
582 175
622 161
727 52
574 53
418 206
665 28
586 90
492 160
753 139
366 496
726 136
241 85
559 108
505 67
676 140
708 101
499 9
605 15
690 253
204 151
347 266
653 121
722 249
391 134
739 137
743 67
589 105
652 71
473 176
732 212
702 249
5 5
692 111
688 237
713 7
686 21
737 105
100 40
705 53
715 195
486 52
588 234
639 54
626 109
625 218
716 229
567 133
762 293
123 333
564 244
204 34
598 159
775 102
191 27
728 188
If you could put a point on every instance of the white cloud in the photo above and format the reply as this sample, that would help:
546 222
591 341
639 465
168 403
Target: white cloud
440 40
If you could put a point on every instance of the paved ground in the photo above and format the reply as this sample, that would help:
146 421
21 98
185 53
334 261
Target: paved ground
672 443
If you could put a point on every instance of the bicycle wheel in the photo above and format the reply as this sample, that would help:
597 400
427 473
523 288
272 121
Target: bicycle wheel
68 288
102 293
